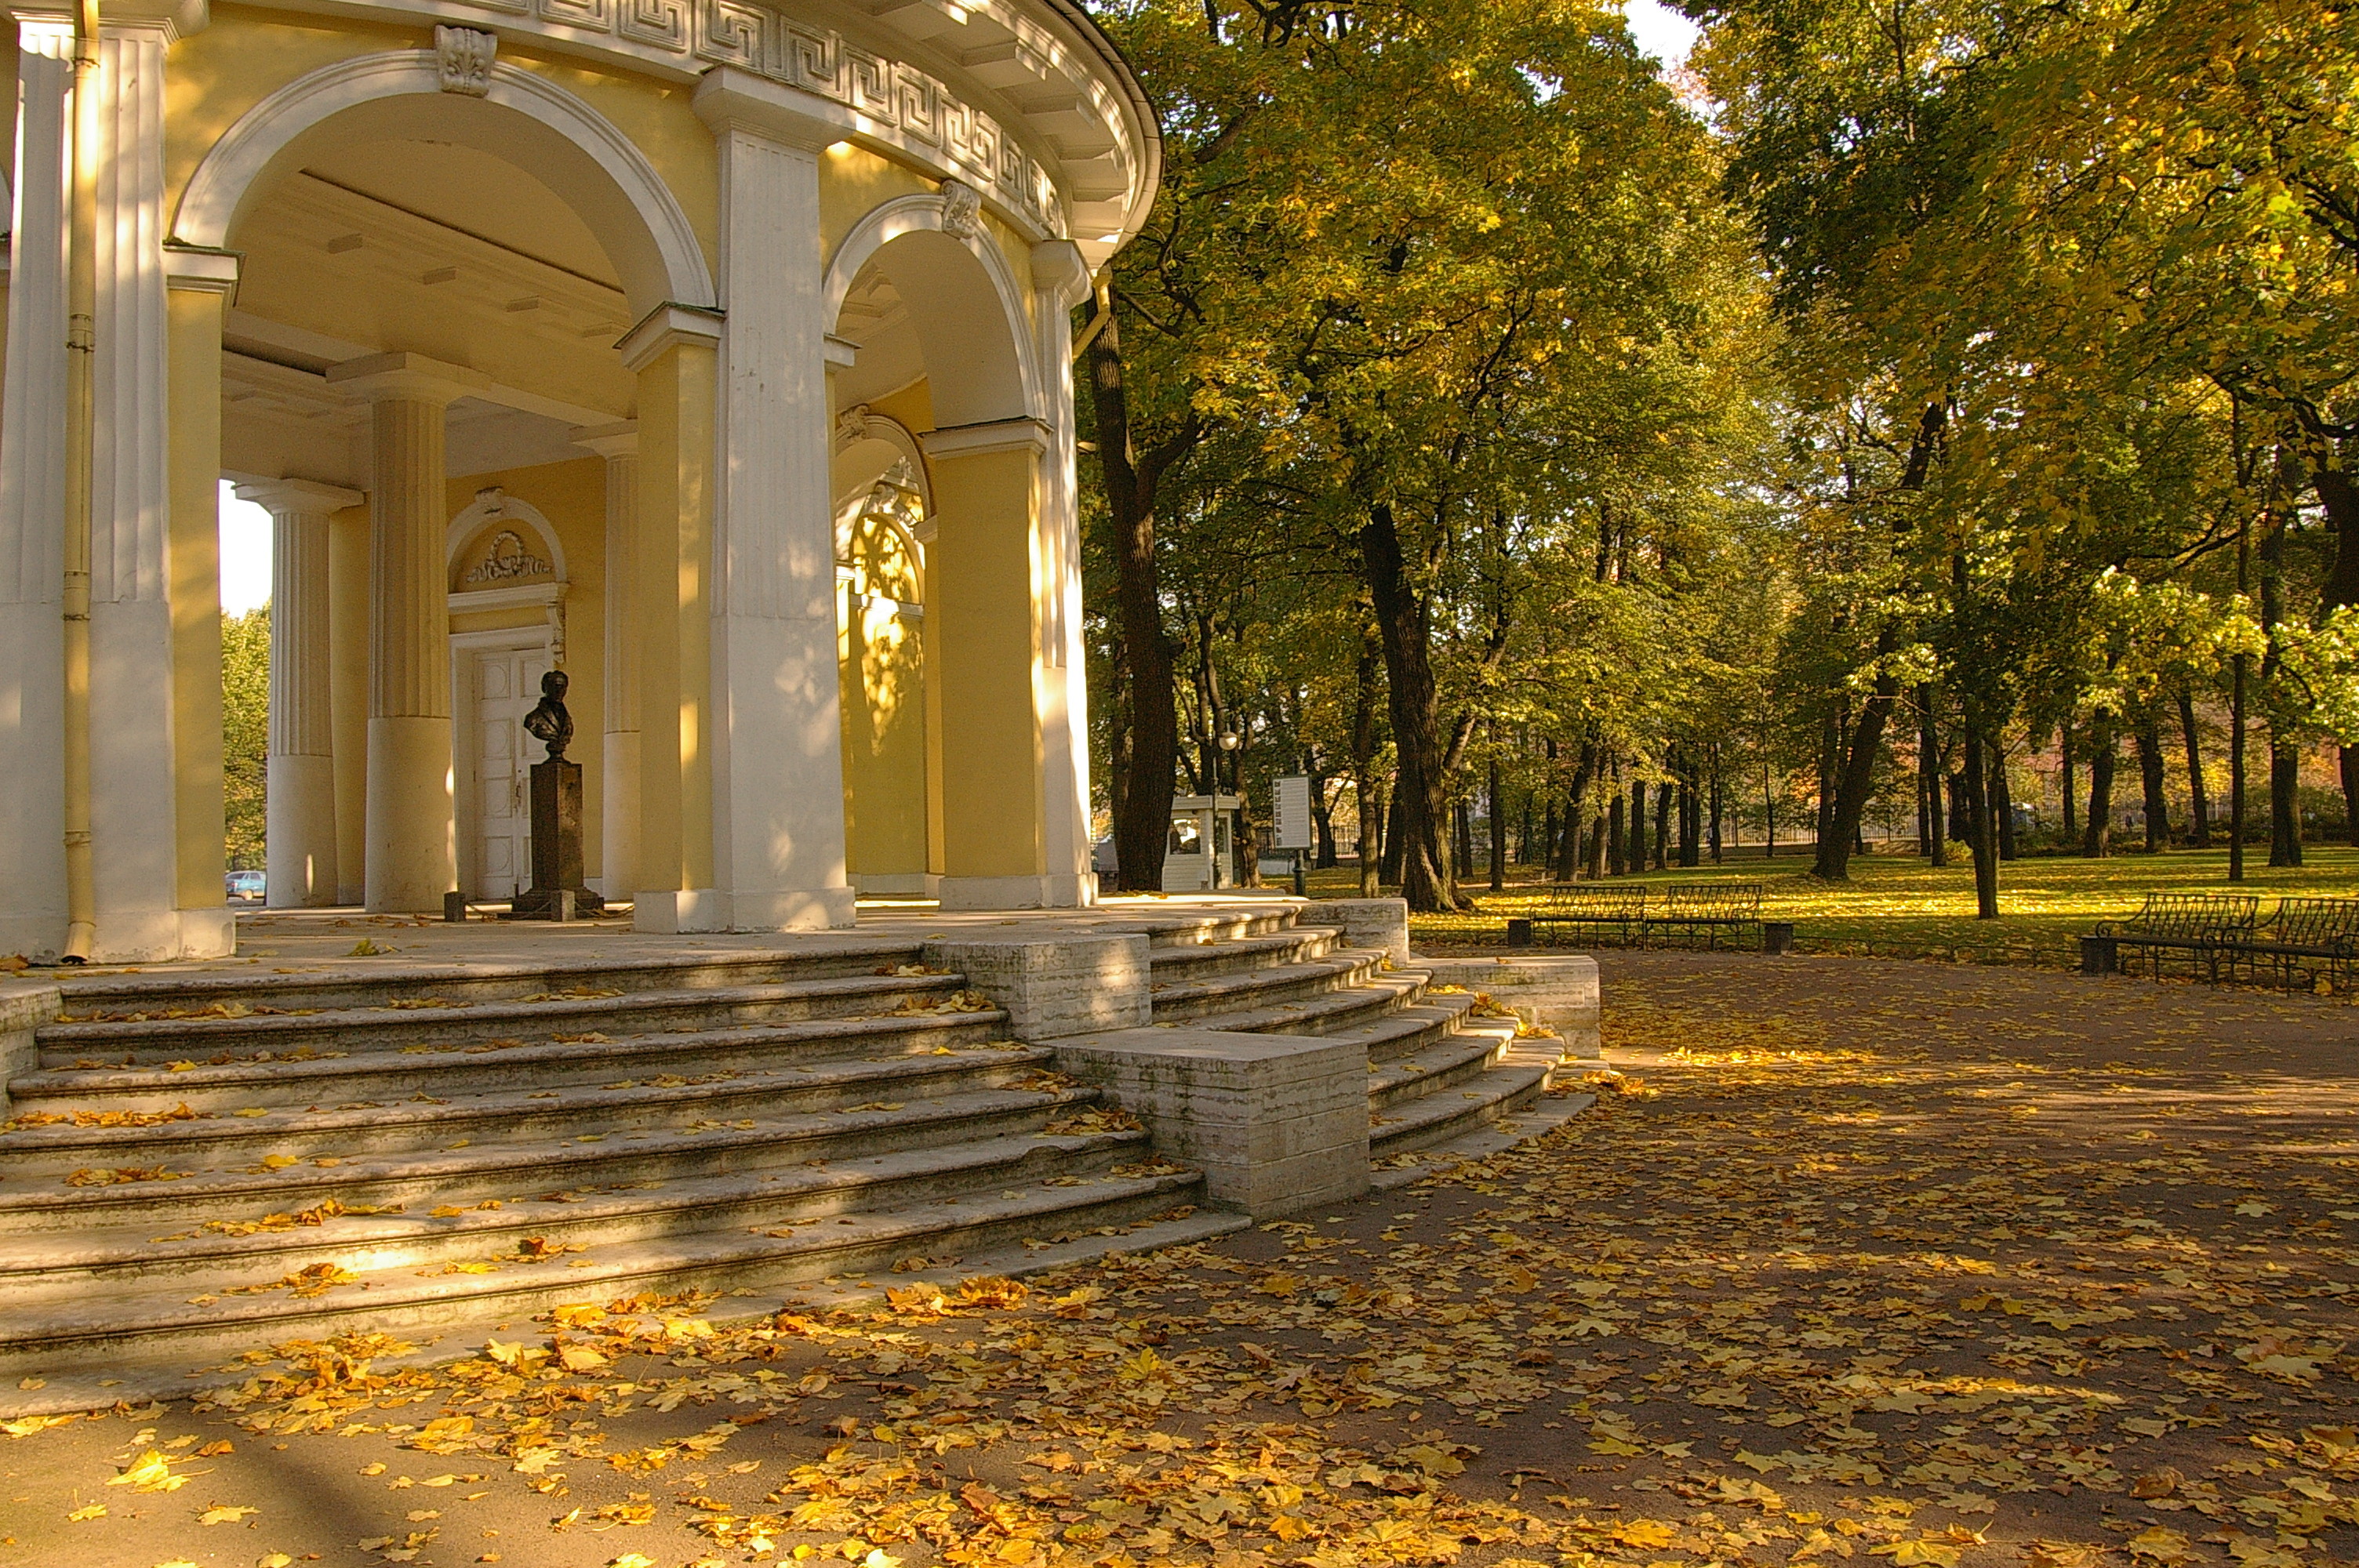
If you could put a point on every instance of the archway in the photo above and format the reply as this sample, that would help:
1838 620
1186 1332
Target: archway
435 283
942 333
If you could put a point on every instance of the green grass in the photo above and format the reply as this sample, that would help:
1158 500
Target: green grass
1896 906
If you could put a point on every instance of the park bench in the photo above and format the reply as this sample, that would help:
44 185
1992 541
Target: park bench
1584 907
2305 939
1710 910
2195 926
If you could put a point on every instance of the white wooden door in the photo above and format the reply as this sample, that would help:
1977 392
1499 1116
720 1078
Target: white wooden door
506 684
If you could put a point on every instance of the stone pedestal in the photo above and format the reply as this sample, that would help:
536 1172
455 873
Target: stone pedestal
1056 985
1367 923
1278 1122
1555 991
556 892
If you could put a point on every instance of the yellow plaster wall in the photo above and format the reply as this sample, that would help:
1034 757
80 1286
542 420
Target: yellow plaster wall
193 560
881 688
852 180
573 496
980 621
675 412
912 407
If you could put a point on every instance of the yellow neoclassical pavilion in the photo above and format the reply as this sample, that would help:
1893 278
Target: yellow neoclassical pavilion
715 353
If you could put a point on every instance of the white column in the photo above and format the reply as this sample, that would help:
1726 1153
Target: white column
301 778
134 833
33 504
778 769
619 839
1060 280
409 860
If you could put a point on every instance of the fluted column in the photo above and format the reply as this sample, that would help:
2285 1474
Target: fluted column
33 504
302 777
410 859
1060 280
619 848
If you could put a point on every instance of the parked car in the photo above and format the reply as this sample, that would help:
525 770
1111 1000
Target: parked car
247 886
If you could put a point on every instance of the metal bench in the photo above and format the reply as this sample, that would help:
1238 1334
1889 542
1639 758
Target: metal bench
2306 939
1710 910
2194 926
1588 907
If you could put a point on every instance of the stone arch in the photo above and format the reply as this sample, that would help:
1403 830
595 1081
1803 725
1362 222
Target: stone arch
962 296
866 446
520 118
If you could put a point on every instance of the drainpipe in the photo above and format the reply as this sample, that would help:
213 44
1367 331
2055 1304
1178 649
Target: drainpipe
81 315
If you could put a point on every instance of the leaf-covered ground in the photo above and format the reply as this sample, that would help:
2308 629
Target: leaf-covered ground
1852 1261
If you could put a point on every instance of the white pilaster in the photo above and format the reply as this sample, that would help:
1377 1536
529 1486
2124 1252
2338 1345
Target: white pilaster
134 835
301 779
778 769
32 506
1060 280
619 840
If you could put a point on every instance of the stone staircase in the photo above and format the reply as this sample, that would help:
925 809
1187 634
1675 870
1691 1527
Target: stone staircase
206 1163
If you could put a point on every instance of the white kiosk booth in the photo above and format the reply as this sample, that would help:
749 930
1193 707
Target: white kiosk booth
1203 852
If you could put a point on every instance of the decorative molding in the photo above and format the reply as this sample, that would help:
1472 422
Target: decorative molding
851 426
462 59
202 270
962 210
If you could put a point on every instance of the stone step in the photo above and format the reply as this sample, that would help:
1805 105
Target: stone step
1380 994
1177 964
484 1066
428 1121
88 1041
218 1256
1405 1028
1224 926
1442 1065
1436 1117
1201 1000
468 1172
372 982
144 1324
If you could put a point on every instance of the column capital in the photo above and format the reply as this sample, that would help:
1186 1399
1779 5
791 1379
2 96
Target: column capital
297 497
1058 268
667 326
175 18
620 439
1026 434
406 378
730 98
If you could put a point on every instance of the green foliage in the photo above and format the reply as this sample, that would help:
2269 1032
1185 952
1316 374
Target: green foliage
246 732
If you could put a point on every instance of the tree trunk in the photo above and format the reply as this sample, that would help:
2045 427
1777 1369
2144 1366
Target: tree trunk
2064 758
1962 814
2097 837
2150 780
2198 802
1932 837
1691 817
1597 845
1420 798
1638 825
1364 786
1822 825
2350 759
1143 807
1498 819
1718 807
2237 670
1980 817
2002 802
2285 802
1856 778
1617 846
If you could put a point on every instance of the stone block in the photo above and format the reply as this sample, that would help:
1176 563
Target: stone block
1555 991
1276 1122
1056 985
23 1009
1367 923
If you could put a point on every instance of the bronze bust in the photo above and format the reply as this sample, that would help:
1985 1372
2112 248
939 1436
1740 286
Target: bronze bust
548 722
